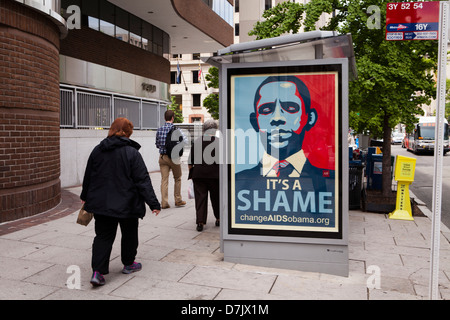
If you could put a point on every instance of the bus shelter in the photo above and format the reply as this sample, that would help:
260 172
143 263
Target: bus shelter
284 164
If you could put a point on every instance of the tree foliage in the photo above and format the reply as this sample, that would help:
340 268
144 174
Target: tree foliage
178 117
211 102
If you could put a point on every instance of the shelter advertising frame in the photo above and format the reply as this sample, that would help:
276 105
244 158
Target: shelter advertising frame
272 242
308 203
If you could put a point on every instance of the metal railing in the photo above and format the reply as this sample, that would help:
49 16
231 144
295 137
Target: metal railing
86 108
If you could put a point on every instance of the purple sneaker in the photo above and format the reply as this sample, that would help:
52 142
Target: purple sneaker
136 266
97 279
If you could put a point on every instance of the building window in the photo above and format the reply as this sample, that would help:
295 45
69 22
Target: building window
236 29
223 8
147 36
196 56
103 16
208 2
173 77
107 14
179 101
136 31
196 118
94 23
195 78
268 4
196 100
122 23
90 12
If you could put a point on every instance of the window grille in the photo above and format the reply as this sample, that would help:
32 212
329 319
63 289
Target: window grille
150 115
162 110
129 109
86 108
94 110
67 109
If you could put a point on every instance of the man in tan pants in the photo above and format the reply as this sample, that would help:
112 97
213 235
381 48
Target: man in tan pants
166 164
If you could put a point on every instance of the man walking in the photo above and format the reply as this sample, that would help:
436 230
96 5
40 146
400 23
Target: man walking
166 164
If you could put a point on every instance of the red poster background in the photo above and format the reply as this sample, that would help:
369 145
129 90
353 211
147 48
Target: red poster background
319 144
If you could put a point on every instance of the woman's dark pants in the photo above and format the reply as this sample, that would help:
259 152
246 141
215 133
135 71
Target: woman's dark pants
105 233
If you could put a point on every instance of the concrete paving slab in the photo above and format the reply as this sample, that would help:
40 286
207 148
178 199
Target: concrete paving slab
311 289
162 270
18 249
198 258
230 279
59 255
234 295
19 290
25 233
62 239
391 295
20 269
64 294
149 252
155 289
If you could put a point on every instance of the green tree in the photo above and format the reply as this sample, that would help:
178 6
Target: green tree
178 118
394 77
211 102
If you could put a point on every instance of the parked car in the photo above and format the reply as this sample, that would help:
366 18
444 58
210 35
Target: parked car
397 138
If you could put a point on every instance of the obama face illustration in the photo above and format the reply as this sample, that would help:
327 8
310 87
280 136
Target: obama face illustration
282 115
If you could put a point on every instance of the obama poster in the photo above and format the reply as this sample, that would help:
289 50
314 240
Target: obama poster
285 151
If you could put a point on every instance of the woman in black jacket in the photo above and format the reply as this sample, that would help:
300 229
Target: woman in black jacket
204 172
116 187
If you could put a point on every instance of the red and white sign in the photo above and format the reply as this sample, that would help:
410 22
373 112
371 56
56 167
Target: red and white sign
412 21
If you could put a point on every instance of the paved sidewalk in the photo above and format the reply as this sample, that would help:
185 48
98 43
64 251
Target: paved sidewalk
40 257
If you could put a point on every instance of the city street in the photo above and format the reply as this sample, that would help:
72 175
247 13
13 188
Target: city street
422 186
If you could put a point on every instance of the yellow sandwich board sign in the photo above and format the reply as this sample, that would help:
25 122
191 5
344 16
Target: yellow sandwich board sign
404 169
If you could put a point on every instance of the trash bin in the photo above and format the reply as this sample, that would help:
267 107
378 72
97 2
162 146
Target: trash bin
355 184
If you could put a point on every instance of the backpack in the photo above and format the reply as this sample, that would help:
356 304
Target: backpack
172 143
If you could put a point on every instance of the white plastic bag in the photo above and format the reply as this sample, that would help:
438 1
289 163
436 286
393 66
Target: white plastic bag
191 190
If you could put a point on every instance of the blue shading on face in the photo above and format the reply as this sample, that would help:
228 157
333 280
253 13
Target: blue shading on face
279 112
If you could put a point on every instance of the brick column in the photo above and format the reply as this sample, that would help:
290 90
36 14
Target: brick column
29 112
